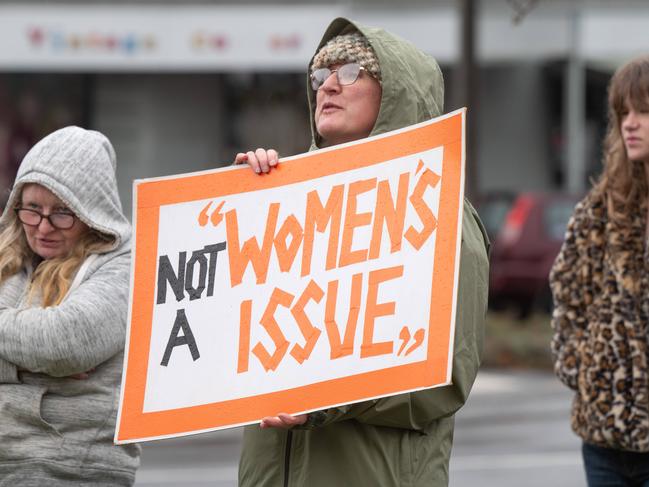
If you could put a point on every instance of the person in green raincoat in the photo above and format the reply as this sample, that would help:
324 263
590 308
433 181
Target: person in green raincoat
365 81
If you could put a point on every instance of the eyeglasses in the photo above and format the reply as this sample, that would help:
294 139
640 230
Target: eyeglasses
33 218
347 74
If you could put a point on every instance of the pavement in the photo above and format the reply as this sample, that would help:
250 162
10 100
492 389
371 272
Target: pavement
514 431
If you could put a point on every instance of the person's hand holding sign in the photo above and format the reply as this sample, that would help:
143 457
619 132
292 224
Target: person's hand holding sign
283 420
260 161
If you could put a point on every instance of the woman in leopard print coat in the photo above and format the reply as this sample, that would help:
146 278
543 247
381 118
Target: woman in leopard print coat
600 286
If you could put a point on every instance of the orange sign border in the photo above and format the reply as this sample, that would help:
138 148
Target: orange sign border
149 195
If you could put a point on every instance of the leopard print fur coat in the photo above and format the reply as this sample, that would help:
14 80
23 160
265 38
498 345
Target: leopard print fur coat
600 287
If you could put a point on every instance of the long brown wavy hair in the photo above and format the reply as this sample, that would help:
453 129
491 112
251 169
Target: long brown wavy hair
623 183
53 277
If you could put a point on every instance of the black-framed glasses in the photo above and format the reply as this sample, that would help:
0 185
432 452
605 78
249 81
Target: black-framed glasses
33 218
347 74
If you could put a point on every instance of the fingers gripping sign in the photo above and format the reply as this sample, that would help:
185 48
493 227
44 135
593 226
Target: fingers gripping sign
260 160
283 420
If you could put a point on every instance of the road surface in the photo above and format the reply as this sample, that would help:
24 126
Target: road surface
513 431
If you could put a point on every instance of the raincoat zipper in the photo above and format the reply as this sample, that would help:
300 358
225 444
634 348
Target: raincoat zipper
287 456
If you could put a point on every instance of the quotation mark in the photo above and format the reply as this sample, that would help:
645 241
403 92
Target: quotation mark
405 337
216 216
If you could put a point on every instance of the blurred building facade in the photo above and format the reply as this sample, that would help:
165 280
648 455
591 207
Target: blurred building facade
181 86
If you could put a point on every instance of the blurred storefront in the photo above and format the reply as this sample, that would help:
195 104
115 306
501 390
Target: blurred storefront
181 86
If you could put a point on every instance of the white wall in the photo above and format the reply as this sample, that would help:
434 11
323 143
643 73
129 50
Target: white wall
142 36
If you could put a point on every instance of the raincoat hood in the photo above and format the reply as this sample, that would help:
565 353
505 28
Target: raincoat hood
78 166
412 83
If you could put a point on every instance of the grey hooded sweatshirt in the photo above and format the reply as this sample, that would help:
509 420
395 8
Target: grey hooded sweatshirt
55 429
402 440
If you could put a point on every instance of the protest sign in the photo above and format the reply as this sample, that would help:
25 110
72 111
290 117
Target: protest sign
329 281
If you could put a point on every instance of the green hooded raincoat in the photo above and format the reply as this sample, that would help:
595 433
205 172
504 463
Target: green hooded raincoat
403 440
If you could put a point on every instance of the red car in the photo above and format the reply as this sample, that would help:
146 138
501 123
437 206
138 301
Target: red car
525 248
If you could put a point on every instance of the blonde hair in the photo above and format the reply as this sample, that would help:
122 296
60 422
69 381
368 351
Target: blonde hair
623 183
53 277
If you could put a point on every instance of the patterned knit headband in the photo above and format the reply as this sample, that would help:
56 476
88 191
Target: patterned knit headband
348 48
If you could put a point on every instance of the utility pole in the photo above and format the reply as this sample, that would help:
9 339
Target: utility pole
574 102
467 88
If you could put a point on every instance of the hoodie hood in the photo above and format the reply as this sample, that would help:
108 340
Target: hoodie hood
78 166
412 83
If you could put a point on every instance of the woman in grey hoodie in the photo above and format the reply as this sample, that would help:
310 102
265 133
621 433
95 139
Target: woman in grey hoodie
64 278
